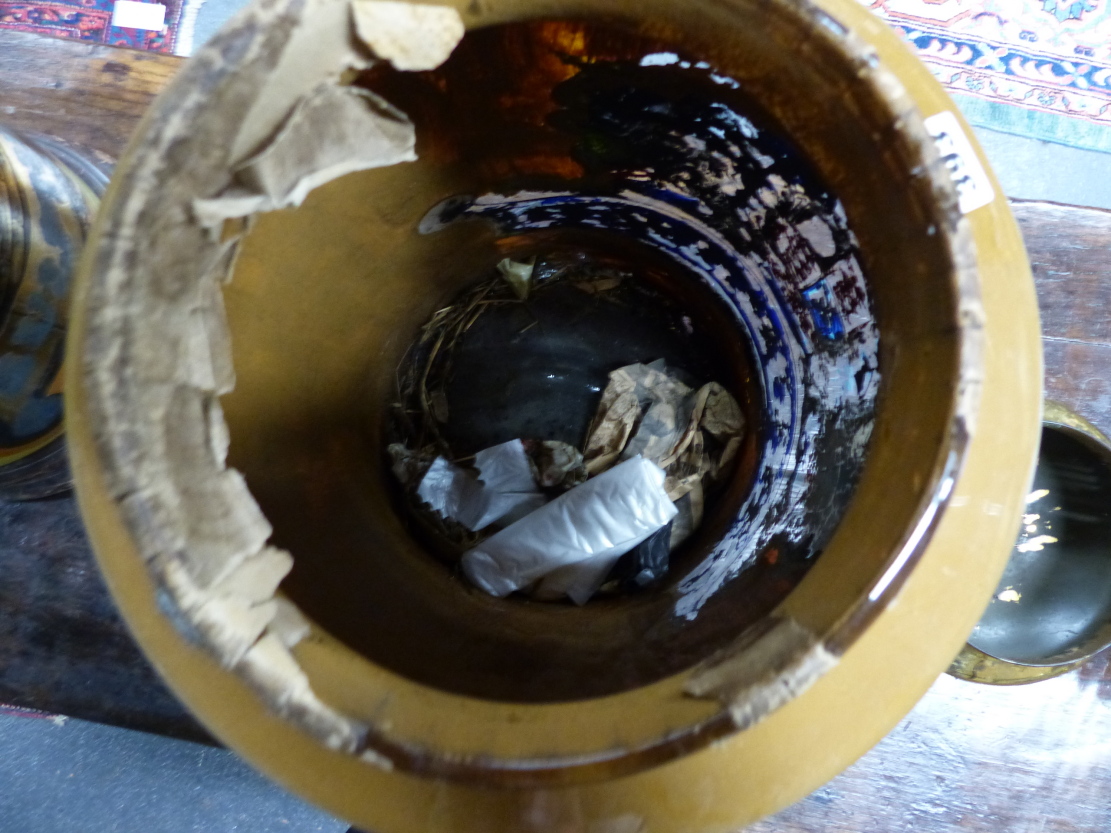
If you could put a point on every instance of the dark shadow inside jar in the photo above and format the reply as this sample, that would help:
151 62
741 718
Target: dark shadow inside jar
535 368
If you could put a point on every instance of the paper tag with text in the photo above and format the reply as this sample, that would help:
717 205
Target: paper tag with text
973 186
129 14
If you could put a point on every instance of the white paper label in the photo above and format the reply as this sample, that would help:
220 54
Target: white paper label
973 186
129 14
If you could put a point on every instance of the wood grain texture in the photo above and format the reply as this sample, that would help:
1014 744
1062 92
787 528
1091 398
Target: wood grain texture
1078 375
1068 250
975 758
969 758
63 647
1070 254
89 95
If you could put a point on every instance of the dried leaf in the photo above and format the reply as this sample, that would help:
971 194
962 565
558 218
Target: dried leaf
598 285
559 465
518 274
722 417
438 400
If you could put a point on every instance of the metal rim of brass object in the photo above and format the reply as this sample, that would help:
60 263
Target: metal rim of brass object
871 608
979 666
48 196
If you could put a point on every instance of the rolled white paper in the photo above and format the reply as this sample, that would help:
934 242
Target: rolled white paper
590 526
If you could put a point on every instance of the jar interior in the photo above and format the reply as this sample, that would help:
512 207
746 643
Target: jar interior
621 143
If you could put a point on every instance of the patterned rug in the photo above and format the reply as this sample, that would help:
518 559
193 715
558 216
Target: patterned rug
92 20
1038 68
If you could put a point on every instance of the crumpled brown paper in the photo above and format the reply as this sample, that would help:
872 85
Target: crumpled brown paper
558 464
648 411
617 414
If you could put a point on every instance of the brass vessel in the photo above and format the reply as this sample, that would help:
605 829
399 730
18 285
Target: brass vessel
48 195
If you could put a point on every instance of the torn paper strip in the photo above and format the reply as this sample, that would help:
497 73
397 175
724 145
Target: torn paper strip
333 131
508 487
504 491
157 355
408 35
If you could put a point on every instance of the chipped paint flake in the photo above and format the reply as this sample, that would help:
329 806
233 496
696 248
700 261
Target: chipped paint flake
763 671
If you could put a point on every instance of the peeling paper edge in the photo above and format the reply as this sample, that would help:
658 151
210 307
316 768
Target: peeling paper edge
962 249
364 132
409 37
157 339
762 672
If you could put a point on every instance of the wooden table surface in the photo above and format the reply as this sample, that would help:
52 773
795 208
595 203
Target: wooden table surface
1033 758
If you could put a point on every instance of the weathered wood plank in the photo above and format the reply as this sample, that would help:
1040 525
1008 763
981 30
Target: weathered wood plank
1070 253
973 758
1078 375
92 96
63 647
